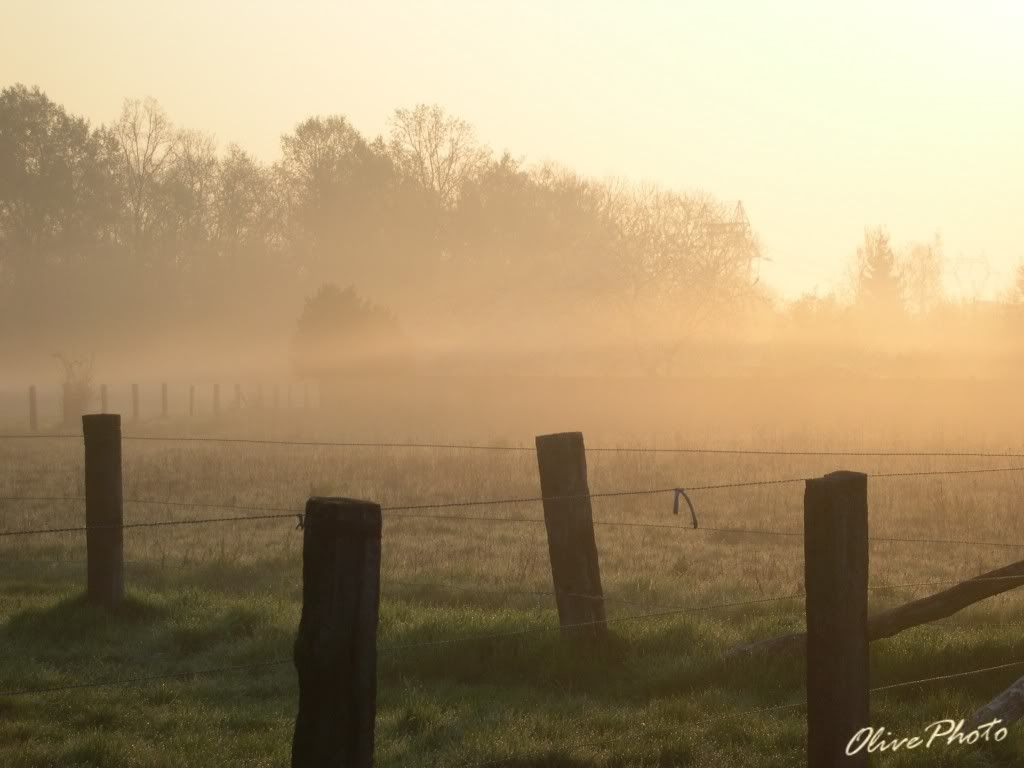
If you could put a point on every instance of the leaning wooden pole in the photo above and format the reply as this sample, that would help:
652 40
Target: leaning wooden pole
836 582
336 646
1006 708
103 509
569 520
927 609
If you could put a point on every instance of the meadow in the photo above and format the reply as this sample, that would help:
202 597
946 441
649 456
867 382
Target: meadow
662 693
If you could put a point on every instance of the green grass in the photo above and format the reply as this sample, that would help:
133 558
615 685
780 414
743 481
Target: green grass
658 694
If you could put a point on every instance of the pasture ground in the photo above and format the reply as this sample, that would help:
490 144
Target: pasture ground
661 695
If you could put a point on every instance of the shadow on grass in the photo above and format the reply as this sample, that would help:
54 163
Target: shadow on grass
76 619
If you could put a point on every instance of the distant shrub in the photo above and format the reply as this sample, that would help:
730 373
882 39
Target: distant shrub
78 387
339 331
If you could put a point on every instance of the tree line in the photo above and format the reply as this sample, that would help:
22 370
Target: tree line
141 224
141 229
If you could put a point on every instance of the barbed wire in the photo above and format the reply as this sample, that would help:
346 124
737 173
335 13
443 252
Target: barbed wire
937 678
43 498
867 453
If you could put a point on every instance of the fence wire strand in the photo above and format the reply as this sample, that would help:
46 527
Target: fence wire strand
866 453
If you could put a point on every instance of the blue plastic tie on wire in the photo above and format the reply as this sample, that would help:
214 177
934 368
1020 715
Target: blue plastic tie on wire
675 505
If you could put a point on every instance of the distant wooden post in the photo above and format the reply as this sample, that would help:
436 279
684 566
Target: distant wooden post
336 646
191 399
569 520
103 398
836 582
216 400
103 510
68 416
163 400
135 402
33 409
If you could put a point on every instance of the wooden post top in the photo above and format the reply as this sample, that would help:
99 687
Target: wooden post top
101 424
341 515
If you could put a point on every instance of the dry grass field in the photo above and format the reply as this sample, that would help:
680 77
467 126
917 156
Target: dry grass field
228 594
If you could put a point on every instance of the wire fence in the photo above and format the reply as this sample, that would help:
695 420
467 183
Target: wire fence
418 510
431 510
693 450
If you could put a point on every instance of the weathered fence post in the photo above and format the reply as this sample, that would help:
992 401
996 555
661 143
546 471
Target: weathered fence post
103 398
569 520
103 510
191 399
135 402
163 400
836 582
33 409
216 400
336 646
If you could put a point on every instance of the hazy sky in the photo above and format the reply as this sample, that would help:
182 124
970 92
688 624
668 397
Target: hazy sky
822 117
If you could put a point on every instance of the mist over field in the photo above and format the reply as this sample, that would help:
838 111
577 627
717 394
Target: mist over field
510 384
146 251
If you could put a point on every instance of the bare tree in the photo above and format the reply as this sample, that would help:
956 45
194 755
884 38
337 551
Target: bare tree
921 267
437 150
679 260
192 178
145 138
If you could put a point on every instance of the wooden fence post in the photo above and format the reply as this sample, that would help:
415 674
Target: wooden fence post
336 646
836 582
68 417
191 399
562 461
103 398
163 400
216 400
33 409
103 510
135 403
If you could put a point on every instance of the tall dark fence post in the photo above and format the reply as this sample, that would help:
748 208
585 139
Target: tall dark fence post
103 398
103 511
135 402
163 400
191 399
562 461
336 646
33 409
216 400
836 581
